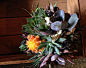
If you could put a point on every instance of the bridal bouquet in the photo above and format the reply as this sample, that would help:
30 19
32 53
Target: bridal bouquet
49 36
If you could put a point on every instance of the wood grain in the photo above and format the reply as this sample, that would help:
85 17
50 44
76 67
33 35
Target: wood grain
10 44
15 62
11 26
83 23
13 8
72 6
11 18
14 57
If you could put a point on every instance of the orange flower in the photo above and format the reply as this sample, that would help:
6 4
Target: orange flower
33 43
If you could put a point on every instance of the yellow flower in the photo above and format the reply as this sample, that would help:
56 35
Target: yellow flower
33 43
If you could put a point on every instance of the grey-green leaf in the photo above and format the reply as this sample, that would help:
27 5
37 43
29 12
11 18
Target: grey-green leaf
43 52
49 39
73 21
61 39
41 46
50 50
51 45
55 4
57 50
23 47
58 45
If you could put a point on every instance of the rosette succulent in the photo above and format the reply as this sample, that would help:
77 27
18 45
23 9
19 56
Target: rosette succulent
49 35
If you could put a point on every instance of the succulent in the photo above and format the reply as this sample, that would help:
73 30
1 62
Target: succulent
49 35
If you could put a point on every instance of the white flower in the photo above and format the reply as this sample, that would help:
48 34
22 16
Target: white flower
47 21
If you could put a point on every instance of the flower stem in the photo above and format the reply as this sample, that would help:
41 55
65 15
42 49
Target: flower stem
49 66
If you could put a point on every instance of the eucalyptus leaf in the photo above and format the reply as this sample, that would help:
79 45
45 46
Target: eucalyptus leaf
56 25
73 21
61 14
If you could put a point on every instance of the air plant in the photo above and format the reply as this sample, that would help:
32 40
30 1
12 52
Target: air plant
49 35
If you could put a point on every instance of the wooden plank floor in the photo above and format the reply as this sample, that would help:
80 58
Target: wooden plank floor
79 63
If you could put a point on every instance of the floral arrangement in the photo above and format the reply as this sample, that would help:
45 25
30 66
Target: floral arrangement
49 35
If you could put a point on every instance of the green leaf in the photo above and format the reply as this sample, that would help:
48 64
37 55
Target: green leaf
43 52
47 47
27 11
49 39
58 45
27 28
57 50
61 39
37 5
51 45
50 50
55 4
36 63
42 45
34 57
36 9
30 20
33 12
37 59
29 54
22 41
47 51
41 26
23 47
